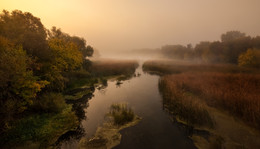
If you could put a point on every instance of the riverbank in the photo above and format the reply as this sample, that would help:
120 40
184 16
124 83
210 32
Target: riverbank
45 129
221 100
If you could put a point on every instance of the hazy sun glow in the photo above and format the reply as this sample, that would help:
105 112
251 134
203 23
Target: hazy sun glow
123 25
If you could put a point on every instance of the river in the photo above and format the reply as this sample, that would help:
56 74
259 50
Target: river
141 93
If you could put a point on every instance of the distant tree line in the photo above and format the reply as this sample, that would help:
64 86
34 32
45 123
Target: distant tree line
33 61
235 48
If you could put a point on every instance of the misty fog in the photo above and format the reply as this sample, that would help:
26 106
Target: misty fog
119 25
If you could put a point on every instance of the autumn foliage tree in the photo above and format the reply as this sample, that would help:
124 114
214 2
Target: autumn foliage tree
251 58
33 62
65 57
18 86
26 30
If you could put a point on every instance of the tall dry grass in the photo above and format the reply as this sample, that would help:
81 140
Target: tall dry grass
237 93
170 67
113 67
183 105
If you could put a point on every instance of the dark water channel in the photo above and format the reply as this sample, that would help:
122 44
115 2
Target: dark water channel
155 130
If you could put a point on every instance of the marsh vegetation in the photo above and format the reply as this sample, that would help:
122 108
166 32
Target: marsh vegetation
194 93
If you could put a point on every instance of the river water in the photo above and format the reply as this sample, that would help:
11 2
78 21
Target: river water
155 130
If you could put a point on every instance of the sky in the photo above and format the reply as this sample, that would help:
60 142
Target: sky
133 24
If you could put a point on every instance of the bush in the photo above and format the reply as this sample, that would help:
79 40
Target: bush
50 102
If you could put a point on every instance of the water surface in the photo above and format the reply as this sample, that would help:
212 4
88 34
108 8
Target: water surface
155 130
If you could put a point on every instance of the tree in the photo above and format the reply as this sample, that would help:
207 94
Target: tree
18 86
15 74
174 51
201 48
256 42
217 53
251 58
235 47
65 54
26 30
65 57
87 51
232 35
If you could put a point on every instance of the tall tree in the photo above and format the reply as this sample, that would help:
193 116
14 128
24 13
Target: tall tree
26 30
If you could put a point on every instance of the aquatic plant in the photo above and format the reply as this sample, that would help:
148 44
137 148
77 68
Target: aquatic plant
121 114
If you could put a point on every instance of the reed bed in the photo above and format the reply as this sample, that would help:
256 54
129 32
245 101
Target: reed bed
239 94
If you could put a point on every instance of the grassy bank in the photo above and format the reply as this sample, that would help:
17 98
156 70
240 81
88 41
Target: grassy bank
222 99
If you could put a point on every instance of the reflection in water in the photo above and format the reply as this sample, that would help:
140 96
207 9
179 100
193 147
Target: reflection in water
141 93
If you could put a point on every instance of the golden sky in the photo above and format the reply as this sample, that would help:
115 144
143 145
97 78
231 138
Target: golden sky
131 24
